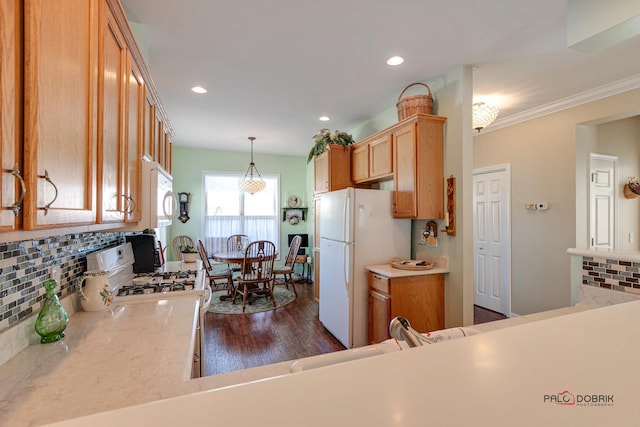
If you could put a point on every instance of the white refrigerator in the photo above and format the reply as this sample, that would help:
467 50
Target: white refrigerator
357 229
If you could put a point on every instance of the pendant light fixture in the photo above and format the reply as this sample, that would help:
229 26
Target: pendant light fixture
252 184
483 115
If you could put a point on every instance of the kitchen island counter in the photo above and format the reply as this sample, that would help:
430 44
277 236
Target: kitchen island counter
512 376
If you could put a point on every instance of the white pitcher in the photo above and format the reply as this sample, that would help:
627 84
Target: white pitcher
96 294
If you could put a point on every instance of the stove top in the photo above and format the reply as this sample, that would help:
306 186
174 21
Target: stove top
175 279
160 282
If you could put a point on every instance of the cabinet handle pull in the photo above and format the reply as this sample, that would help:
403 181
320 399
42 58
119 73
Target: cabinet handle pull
46 178
129 210
16 206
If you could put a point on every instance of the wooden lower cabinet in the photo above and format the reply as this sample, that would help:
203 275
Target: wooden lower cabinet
419 299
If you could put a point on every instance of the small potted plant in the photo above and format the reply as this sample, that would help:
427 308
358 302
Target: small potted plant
325 137
189 253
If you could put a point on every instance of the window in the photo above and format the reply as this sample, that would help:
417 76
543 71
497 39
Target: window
229 210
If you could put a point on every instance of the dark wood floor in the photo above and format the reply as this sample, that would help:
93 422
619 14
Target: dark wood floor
235 342
482 315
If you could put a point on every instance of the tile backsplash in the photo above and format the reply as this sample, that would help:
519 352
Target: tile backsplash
611 274
24 266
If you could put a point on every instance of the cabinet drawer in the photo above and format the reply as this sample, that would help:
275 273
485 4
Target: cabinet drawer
379 283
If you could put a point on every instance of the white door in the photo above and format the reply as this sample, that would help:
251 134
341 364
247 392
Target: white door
602 200
491 238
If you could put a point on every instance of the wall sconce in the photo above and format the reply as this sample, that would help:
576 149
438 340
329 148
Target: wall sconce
483 115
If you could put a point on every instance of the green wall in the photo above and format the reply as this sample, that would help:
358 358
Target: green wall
189 165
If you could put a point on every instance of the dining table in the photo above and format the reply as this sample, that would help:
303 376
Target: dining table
231 257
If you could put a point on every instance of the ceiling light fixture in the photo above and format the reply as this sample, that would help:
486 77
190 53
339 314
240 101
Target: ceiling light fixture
251 184
198 89
483 115
324 118
395 60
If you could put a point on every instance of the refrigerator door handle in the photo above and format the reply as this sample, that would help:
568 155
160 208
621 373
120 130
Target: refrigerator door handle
345 273
345 222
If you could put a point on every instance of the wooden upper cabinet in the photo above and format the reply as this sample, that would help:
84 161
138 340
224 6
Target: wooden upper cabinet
371 159
158 143
149 133
360 162
405 201
60 111
111 136
381 157
168 154
332 169
134 140
418 154
10 106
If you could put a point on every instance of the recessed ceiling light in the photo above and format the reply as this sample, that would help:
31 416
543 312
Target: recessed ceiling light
324 118
395 60
198 89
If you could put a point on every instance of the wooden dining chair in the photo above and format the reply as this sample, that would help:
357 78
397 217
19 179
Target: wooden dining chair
286 270
237 243
178 242
256 276
215 275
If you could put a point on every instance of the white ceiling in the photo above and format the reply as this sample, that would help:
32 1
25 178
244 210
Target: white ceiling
272 67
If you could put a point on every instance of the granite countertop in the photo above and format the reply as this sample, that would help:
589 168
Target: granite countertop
522 372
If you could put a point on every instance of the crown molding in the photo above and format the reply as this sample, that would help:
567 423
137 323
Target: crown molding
604 91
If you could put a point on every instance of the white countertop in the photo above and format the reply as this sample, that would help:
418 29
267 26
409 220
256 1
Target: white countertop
388 271
501 378
131 353
631 256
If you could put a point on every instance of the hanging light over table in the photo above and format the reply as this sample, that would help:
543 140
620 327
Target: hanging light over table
483 115
252 184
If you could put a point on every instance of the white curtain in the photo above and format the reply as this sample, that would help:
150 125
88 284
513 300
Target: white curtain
231 211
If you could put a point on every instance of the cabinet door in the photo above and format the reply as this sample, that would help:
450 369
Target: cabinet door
10 104
149 128
60 87
420 299
134 139
111 135
158 148
321 173
360 162
404 155
379 316
168 153
380 157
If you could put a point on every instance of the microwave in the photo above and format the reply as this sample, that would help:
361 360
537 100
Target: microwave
158 203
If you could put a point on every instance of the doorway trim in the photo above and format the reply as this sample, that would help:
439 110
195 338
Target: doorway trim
506 285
